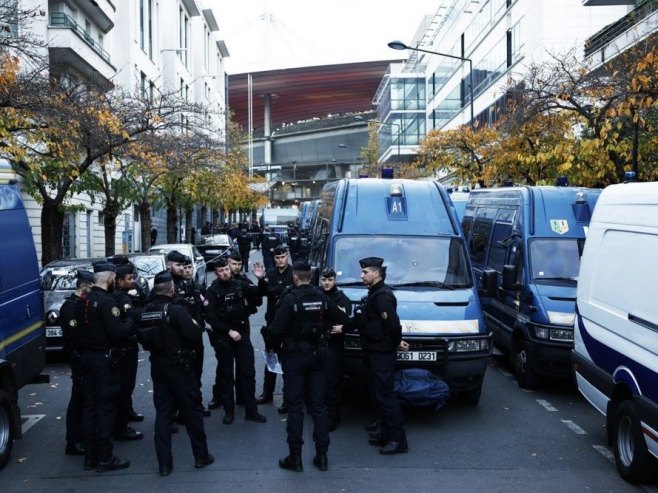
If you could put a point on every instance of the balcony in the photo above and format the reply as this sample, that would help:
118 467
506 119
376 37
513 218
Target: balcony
61 20
615 32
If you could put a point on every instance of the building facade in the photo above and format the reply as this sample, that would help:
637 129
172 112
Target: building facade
145 47
479 48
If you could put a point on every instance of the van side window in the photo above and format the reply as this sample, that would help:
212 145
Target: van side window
467 226
481 233
498 251
319 241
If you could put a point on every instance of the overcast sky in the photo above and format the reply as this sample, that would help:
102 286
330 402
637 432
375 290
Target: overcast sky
314 32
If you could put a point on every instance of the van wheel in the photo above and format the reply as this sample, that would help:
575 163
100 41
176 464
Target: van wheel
525 374
6 430
634 462
471 397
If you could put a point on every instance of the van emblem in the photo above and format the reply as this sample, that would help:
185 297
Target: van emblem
560 226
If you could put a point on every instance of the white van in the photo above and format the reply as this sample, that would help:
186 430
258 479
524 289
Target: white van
616 329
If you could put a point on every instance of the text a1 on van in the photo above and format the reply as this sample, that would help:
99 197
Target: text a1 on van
525 244
412 226
616 329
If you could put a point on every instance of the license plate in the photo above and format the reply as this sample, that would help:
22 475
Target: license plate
416 355
213 251
53 332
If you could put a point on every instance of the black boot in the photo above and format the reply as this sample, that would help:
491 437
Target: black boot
293 462
320 461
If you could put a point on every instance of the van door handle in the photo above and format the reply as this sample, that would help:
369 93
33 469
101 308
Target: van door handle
28 310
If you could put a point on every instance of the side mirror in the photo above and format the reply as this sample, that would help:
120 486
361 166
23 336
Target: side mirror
489 283
509 278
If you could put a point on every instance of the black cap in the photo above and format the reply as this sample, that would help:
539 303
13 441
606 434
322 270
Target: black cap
175 256
85 276
301 266
124 270
280 250
235 255
104 267
118 259
371 262
162 277
328 272
187 261
220 262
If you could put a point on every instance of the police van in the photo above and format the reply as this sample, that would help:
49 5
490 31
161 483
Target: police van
616 330
525 244
412 225
22 336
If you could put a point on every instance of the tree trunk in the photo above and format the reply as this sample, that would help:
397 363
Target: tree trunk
52 224
172 222
203 217
215 217
146 224
188 225
110 227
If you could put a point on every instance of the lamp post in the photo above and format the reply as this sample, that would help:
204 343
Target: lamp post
399 45
397 127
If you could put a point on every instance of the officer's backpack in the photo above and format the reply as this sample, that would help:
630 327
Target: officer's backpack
417 387
310 308
149 332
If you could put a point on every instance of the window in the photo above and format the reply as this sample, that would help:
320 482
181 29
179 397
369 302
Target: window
142 85
481 233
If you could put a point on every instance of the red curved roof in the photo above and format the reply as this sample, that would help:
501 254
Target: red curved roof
307 92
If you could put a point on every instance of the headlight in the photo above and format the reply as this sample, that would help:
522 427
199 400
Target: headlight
560 335
466 345
561 318
51 317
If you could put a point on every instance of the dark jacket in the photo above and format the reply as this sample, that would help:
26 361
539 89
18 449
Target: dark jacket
378 322
228 305
70 330
344 303
272 286
99 320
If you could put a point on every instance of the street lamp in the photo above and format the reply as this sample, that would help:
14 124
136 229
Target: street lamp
399 45
360 118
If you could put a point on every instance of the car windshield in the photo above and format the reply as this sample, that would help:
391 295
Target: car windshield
60 279
555 259
215 240
148 265
411 260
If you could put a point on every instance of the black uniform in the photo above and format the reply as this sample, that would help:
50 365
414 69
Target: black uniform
101 329
171 335
381 333
244 246
302 322
128 355
270 241
272 286
303 245
188 294
335 359
229 309
71 334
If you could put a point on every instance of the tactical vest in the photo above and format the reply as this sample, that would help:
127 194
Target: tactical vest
152 323
309 310
232 304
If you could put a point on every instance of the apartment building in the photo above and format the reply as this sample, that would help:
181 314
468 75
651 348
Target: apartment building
488 41
144 46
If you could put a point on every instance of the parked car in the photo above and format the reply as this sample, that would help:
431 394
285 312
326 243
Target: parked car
58 280
147 264
214 245
191 251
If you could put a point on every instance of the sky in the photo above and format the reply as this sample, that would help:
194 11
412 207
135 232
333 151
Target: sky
274 34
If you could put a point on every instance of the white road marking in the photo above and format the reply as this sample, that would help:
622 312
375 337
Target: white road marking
605 452
574 427
546 405
31 420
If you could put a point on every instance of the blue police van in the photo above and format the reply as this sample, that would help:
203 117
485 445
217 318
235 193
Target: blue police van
22 335
413 226
525 244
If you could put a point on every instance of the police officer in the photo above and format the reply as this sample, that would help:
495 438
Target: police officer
334 363
381 337
270 241
188 295
71 335
169 332
276 280
228 315
244 246
126 297
302 324
101 329
303 244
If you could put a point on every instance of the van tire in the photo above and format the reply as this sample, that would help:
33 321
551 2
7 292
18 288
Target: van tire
6 429
471 397
634 462
525 374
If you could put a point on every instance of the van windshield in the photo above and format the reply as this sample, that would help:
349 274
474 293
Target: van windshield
410 260
556 260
